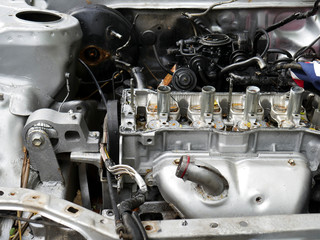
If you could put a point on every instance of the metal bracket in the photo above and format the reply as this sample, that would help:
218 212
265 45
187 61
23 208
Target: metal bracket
42 156
88 223
48 132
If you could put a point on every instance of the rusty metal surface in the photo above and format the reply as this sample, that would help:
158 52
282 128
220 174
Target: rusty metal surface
88 223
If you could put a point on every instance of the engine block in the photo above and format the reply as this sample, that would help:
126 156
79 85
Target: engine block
257 138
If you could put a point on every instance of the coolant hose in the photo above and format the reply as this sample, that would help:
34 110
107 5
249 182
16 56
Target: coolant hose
262 64
133 229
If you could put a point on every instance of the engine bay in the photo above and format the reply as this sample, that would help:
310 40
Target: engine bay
159 120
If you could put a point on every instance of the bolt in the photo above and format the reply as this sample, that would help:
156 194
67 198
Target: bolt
67 75
176 161
184 223
292 162
37 140
115 34
93 135
73 116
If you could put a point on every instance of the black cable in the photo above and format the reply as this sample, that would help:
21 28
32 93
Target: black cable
137 219
304 49
258 35
309 55
158 60
104 100
282 22
285 60
281 51
295 16
107 80
113 199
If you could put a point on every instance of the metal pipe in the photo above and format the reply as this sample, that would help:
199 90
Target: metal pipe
139 77
295 101
88 158
252 100
206 176
207 100
163 101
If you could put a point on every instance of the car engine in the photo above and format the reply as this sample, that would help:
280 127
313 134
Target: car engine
159 119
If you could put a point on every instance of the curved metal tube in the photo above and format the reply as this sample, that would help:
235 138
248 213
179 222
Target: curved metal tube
206 176
262 64
139 77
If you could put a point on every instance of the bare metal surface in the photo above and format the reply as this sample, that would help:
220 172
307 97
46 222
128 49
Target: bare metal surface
163 101
43 158
252 101
247 194
88 223
247 159
95 226
305 226
69 128
84 157
156 4
36 56
207 100
20 66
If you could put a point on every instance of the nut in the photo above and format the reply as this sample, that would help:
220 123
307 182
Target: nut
37 140
292 162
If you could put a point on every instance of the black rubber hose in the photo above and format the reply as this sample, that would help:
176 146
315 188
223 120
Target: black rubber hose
245 63
137 219
159 62
133 229
258 35
281 51
129 204
289 65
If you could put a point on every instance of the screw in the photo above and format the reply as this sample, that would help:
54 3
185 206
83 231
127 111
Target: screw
73 116
292 162
115 34
37 140
184 223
